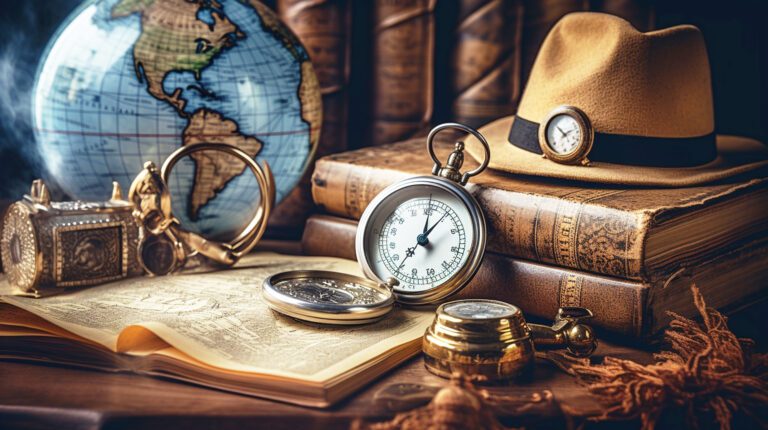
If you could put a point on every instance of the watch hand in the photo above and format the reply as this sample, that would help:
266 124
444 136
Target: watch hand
435 225
429 212
561 130
408 253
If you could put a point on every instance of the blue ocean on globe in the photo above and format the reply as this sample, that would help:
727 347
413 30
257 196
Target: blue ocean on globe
128 81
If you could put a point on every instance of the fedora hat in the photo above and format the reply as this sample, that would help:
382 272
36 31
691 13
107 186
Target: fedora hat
606 103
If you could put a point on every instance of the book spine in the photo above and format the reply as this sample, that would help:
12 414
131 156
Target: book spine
486 60
323 28
403 45
537 289
570 233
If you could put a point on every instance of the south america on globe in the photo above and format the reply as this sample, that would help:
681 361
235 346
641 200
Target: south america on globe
128 81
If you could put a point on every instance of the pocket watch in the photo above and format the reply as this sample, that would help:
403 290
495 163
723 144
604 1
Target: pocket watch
566 136
427 232
419 241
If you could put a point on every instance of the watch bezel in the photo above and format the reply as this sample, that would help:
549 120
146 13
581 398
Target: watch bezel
583 148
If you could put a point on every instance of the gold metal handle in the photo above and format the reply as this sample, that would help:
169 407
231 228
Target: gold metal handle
223 252
567 332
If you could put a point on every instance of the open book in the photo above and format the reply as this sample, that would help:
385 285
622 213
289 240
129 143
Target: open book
211 329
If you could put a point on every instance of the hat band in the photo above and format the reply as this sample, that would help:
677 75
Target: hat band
626 149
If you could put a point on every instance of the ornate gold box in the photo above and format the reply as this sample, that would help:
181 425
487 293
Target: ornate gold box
47 246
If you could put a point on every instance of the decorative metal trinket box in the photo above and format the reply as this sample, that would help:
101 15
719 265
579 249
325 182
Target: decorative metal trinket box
47 246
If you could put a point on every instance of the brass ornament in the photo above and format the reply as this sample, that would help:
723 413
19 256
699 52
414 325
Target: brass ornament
165 247
47 246
580 151
491 339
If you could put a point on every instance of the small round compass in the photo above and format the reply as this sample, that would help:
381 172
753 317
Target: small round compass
478 337
328 297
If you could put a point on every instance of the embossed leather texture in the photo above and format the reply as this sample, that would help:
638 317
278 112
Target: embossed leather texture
625 232
627 308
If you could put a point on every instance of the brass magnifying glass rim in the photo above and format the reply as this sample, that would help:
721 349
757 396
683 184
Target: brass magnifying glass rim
254 230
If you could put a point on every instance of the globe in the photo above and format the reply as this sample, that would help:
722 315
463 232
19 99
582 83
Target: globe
123 82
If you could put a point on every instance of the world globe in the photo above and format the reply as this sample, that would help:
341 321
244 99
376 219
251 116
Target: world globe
123 82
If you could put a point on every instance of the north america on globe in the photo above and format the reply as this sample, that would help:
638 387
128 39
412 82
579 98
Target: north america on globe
126 81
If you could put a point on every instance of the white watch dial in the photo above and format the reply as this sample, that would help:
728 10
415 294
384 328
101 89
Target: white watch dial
563 134
423 241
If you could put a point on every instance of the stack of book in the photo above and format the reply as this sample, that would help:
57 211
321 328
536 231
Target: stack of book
628 254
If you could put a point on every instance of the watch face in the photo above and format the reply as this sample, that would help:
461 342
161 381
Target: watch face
420 235
563 134
427 233
479 309
566 136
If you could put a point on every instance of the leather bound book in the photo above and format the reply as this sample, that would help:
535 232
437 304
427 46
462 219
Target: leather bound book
403 45
486 60
323 28
627 308
630 233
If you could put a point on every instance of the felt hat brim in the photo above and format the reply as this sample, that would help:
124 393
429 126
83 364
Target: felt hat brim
736 156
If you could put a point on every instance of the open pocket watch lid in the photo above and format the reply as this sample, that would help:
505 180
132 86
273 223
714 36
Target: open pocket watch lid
328 297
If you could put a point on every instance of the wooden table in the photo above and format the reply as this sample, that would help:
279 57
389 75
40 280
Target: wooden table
41 397
37 396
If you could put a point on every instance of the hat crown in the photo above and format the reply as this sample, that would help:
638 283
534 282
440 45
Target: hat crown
631 83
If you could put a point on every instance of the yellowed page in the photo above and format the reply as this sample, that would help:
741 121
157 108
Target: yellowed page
220 319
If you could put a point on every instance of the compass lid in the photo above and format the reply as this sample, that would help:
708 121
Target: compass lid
480 320
327 297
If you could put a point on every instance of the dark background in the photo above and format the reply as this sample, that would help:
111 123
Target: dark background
735 31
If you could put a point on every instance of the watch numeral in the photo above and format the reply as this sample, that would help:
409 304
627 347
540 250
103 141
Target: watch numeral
396 257
391 245
453 231
445 264
414 212
455 249
414 271
430 272
393 231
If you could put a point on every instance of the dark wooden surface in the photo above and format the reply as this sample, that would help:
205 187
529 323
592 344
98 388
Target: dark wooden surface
39 396
35 396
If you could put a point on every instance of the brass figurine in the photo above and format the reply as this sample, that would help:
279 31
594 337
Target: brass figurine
165 246
490 338
47 245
